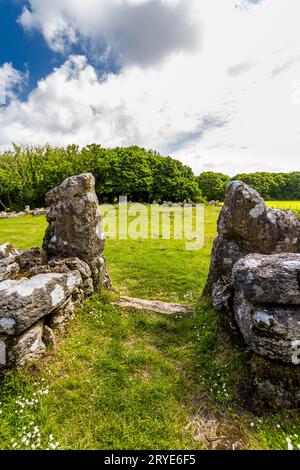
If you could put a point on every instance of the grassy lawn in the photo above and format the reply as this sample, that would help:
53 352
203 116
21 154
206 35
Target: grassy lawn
292 205
127 379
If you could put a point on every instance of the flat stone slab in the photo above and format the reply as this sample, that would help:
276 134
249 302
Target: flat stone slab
156 306
23 302
269 279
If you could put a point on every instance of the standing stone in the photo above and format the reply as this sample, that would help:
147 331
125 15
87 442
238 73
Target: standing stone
74 225
247 225
255 279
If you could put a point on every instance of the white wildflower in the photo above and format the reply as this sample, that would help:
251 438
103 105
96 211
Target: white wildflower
289 443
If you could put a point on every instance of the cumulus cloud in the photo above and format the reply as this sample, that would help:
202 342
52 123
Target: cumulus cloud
11 81
135 107
246 4
238 69
143 32
200 107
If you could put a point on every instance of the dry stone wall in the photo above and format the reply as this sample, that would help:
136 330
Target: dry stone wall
254 281
40 288
27 211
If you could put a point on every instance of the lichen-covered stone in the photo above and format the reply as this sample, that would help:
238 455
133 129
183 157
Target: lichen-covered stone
27 347
74 224
270 330
62 317
49 337
225 253
246 225
76 264
88 287
7 250
271 279
3 351
246 218
39 289
8 268
32 258
267 304
24 301
255 279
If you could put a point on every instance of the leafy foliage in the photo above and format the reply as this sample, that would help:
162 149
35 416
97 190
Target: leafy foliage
26 174
213 185
271 186
279 186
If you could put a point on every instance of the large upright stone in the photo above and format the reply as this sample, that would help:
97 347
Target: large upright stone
246 218
74 225
247 225
255 278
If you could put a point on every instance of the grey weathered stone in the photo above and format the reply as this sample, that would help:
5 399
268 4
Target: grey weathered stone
225 254
3 350
74 224
7 250
49 337
76 264
8 268
40 211
269 330
255 278
39 289
32 258
24 301
28 347
88 287
14 215
269 279
246 225
246 218
60 319
267 304
157 306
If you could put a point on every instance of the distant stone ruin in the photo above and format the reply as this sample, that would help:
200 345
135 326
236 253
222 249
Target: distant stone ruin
26 211
39 288
254 280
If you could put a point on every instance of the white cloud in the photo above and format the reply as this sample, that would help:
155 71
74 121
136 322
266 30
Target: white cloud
228 107
10 81
141 32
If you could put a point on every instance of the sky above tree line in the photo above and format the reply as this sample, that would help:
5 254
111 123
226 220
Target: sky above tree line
213 83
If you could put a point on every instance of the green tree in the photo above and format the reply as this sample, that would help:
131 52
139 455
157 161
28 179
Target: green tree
213 185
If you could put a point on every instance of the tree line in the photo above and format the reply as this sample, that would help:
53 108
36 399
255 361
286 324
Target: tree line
271 186
26 174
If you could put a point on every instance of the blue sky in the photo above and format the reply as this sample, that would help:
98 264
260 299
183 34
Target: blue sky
215 84
25 51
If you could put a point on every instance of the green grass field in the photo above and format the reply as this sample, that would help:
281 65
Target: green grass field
127 379
292 205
